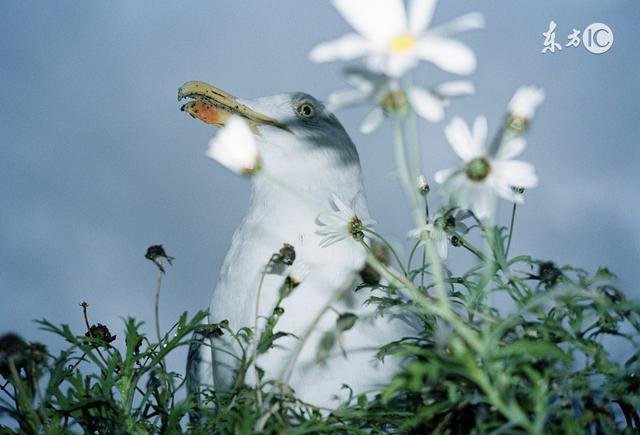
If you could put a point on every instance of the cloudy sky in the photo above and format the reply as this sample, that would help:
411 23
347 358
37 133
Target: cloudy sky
97 163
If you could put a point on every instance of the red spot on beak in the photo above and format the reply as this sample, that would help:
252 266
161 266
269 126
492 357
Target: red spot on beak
204 111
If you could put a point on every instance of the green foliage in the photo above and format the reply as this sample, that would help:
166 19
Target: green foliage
539 365
95 387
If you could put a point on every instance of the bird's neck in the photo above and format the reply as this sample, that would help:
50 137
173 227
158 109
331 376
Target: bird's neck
298 194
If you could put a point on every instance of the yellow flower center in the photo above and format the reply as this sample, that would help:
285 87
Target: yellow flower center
402 43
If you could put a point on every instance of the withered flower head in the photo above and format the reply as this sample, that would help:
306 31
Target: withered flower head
100 332
38 352
368 274
346 321
548 273
212 330
13 351
286 255
156 253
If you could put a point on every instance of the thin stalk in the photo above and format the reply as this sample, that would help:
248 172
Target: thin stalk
388 245
411 129
415 247
437 307
513 216
157 306
256 335
286 372
404 173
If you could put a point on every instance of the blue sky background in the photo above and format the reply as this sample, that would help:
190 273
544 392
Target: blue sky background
97 163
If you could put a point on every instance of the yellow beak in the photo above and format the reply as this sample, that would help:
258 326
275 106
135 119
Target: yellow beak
212 105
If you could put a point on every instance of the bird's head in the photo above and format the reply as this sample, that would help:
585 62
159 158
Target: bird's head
296 135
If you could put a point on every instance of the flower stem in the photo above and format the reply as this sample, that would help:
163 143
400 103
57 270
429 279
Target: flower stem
388 245
411 128
157 305
513 216
256 336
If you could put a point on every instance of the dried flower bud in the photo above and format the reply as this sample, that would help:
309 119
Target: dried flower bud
38 352
286 255
368 274
611 293
157 254
13 352
346 321
395 102
100 332
423 186
548 273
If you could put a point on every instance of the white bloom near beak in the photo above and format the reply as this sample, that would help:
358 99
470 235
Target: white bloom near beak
473 186
235 147
394 41
389 98
525 101
343 223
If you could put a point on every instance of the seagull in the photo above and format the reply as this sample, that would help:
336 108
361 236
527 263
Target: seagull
304 147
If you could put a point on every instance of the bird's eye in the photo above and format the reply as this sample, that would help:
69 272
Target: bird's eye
306 110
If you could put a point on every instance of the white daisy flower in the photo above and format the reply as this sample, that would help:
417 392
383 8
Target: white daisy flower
439 229
525 101
475 184
394 41
343 223
389 98
235 147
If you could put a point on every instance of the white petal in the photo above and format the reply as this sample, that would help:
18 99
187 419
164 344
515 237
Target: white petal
525 101
299 271
372 120
395 65
516 173
459 136
331 221
365 80
455 88
235 147
511 149
341 207
504 189
377 20
472 21
442 246
480 129
345 98
448 54
346 47
426 105
443 175
416 233
482 202
420 14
